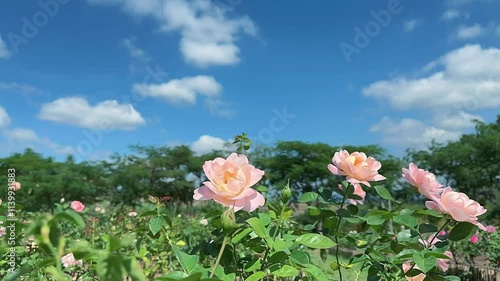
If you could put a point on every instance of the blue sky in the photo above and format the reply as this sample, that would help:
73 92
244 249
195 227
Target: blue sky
93 77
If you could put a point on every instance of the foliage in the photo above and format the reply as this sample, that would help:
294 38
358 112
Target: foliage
471 164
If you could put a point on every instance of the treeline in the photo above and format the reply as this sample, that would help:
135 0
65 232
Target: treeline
471 165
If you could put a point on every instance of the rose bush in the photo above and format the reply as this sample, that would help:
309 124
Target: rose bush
251 235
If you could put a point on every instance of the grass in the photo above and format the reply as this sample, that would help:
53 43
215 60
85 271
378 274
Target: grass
351 274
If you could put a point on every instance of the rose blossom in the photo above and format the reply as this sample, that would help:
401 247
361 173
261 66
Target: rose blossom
69 260
229 183
204 222
490 228
458 206
474 238
356 166
358 190
423 180
77 206
429 243
15 186
132 214
406 268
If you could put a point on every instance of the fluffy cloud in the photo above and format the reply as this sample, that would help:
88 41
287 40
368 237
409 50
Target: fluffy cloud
181 91
449 89
206 144
412 133
4 51
450 14
456 120
4 118
470 32
467 78
412 24
106 115
134 51
21 88
208 36
22 138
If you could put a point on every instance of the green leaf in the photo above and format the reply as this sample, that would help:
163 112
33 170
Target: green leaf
299 257
425 264
155 224
427 228
278 257
308 197
70 216
315 241
237 238
188 262
285 271
256 276
177 277
133 269
316 273
280 245
252 265
375 220
406 220
462 231
109 267
258 227
383 192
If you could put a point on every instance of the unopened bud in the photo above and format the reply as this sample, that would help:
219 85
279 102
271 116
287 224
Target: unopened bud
286 194
228 220
334 266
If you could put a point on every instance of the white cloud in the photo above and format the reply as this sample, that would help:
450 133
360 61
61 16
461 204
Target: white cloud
4 118
206 144
412 133
22 88
469 79
134 51
208 36
449 89
4 51
470 32
450 14
456 120
21 137
181 91
106 115
412 24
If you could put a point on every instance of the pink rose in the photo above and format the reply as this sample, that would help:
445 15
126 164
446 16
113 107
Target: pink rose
490 228
15 186
356 166
77 206
429 243
423 180
458 206
474 239
358 190
3 231
406 267
230 182
69 260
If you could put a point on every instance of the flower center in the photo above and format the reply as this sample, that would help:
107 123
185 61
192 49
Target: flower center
229 175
